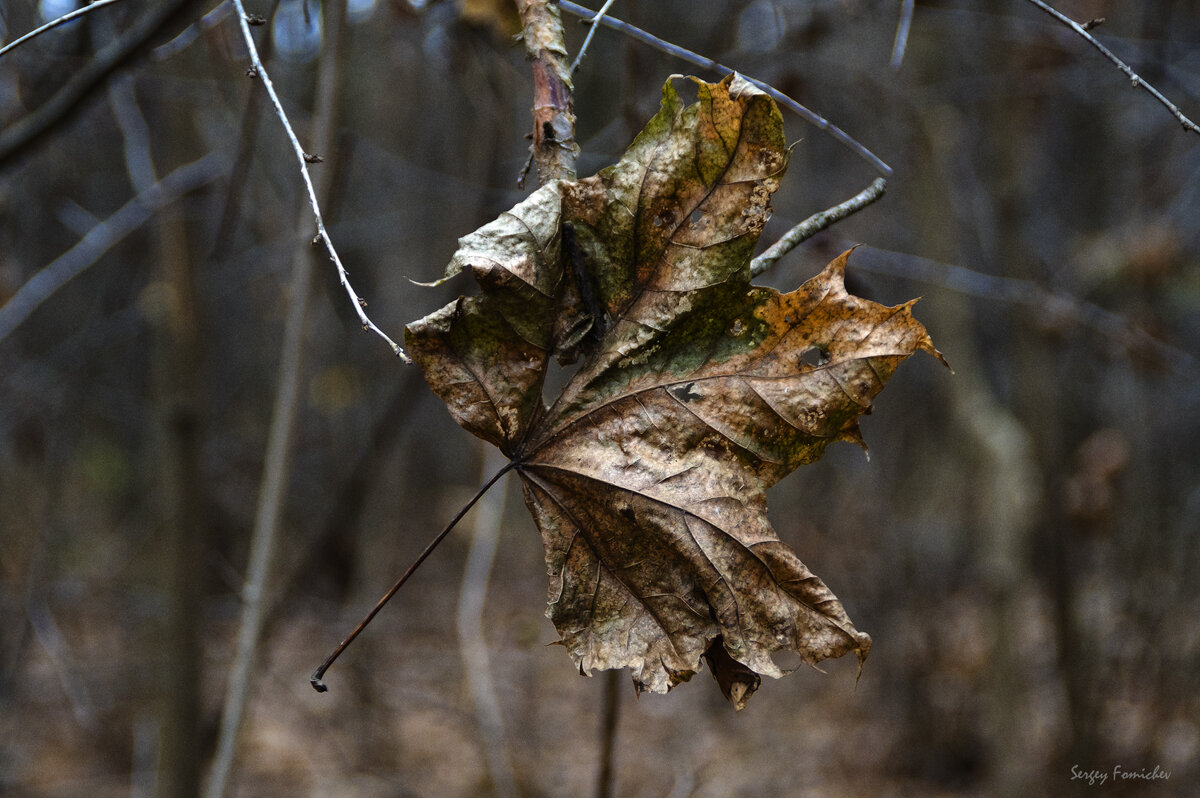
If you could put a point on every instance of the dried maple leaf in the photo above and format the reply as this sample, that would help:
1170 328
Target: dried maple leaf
698 391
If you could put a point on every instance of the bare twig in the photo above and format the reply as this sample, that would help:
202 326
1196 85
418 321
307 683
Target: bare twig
902 29
271 492
1134 78
55 645
192 32
1049 305
260 72
812 118
472 644
587 40
102 237
278 460
135 133
240 173
54 23
815 224
32 128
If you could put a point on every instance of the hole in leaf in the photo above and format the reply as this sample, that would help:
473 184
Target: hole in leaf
557 377
686 393
787 659
814 356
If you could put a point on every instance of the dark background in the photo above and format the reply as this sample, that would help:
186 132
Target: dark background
1022 545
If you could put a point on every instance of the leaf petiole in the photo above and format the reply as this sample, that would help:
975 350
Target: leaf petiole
315 679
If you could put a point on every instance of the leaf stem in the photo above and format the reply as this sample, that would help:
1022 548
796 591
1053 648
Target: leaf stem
315 679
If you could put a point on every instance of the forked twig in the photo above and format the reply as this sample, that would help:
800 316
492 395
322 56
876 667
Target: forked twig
587 40
1134 78
815 224
259 71
54 23
811 117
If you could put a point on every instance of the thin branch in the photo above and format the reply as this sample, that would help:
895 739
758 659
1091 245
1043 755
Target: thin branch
902 28
240 173
192 32
102 237
277 464
64 662
587 40
1134 78
32 127
54 23
472 644
259 71
811 117
1048 305
815 224
135 133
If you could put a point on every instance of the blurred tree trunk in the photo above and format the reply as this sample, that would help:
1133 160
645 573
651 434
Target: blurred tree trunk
1005 478
177 387
1004 488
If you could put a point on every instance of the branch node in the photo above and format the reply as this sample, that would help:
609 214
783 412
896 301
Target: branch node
1094 23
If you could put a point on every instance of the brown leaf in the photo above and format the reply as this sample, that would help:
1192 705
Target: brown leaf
647 476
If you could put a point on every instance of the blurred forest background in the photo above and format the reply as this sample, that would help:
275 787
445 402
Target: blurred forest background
1022 545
